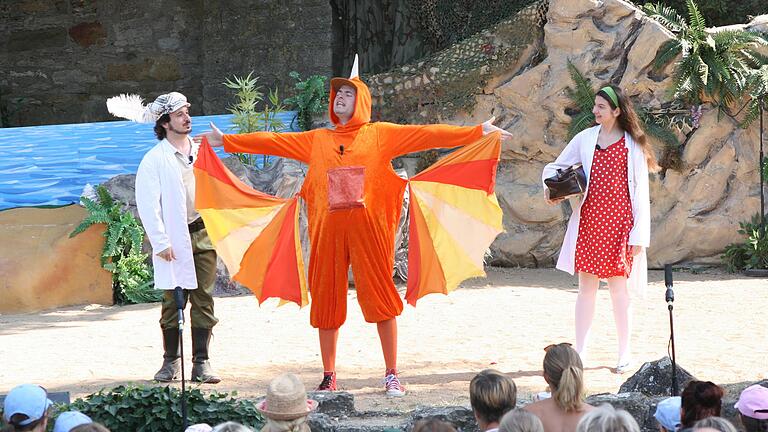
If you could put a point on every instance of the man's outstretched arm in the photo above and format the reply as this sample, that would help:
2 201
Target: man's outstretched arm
293 145
398 140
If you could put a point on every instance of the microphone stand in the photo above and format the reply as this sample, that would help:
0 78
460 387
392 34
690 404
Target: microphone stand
178 296
669 296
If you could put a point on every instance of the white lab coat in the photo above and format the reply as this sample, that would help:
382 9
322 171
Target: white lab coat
581 149
161 201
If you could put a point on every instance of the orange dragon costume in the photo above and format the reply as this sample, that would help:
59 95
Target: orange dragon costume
454 215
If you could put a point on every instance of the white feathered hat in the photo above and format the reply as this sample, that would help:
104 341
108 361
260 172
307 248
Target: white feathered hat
131 106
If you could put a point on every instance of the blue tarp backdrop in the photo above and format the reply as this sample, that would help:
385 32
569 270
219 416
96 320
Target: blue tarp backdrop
50 165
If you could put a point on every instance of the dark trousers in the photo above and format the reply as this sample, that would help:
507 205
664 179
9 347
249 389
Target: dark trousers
201 313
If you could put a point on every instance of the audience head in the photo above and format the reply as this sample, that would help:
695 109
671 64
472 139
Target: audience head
520 420
433 425
564 373
231 426
718 424
668 413
491 394
700 399
69 420
753 408
286 406
606 418
26 408
90 427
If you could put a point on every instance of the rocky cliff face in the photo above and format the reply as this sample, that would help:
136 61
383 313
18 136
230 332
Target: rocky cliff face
695 210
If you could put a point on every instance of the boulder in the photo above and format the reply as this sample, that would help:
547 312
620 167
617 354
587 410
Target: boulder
334 404
461 418
655 378
46 268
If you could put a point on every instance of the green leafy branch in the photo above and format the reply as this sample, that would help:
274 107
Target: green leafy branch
121 255
311 98
247 117
725 66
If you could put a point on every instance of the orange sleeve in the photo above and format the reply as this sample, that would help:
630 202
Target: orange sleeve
293 145
396 140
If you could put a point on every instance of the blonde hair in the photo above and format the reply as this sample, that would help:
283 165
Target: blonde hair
492 394
718 423
520 420
231 426
606 418
295 425
564 373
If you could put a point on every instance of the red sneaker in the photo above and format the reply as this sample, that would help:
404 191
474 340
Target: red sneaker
328 383
392 384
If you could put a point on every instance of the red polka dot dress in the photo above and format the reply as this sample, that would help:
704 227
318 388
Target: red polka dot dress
606 216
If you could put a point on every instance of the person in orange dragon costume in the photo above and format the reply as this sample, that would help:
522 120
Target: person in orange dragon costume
354 200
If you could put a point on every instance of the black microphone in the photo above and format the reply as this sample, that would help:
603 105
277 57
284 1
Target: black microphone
597 147
669 296
190 159
178 297
341 149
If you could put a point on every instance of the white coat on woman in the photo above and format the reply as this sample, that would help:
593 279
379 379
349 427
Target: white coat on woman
581 150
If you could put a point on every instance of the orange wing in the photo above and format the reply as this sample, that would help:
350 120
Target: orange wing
454 217
255 234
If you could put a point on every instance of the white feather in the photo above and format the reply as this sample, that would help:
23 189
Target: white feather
128 106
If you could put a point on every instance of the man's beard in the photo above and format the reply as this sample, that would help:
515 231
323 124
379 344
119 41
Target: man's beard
180 132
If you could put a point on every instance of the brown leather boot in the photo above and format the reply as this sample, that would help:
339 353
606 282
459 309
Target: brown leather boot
201 369
171 367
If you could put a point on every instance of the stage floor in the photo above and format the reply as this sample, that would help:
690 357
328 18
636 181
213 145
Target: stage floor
501 322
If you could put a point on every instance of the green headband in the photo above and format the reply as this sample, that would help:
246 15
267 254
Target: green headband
611 94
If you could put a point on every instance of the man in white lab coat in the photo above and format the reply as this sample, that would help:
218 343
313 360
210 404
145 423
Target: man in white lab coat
182 252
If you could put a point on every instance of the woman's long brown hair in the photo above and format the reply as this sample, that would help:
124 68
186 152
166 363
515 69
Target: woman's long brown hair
630 122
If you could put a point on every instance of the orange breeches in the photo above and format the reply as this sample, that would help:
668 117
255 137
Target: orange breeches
360 238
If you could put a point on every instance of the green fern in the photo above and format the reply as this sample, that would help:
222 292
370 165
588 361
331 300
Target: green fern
717 65
121 254
311 98
666 15
583 96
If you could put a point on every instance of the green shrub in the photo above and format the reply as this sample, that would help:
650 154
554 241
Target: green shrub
725 66
722 12
158 409
311 99
122 256
247 117
752 253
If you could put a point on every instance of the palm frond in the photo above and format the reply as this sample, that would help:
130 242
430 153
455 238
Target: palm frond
667 52
695 18
752 113
583 96
666 16
579 122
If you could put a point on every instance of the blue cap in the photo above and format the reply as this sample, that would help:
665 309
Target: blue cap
28 399
668 413
69 420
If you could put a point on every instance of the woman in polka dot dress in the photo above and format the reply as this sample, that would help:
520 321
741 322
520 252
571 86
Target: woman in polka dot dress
609 230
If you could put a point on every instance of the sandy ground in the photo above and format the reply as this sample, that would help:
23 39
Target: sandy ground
502 322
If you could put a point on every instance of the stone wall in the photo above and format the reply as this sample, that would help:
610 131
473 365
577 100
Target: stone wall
62 58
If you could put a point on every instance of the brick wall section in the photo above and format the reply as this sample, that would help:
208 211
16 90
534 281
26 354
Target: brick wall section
62 58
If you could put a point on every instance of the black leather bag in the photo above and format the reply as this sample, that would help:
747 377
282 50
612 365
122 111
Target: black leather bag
567 182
